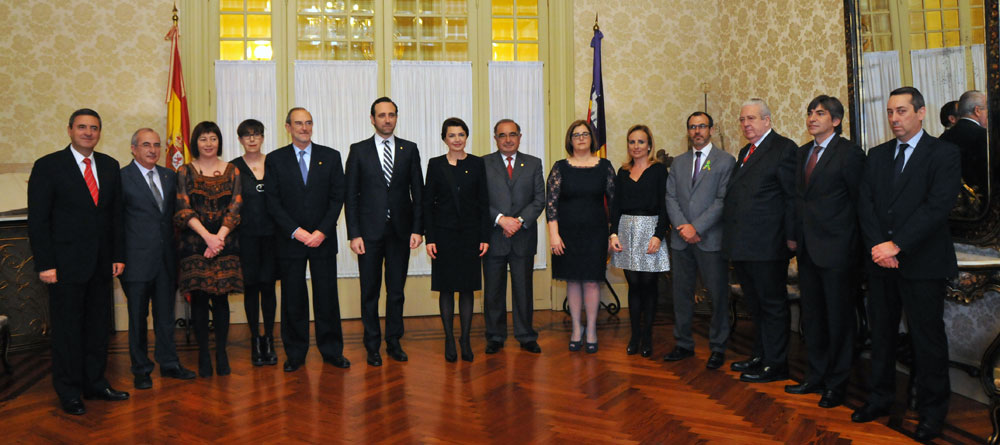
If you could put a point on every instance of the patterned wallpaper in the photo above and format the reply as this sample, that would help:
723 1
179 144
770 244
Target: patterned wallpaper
57 56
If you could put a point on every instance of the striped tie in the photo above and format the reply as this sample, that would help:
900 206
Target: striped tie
88 176
387 162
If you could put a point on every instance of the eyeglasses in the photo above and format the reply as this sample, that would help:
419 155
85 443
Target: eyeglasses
697 127
253 135
585 134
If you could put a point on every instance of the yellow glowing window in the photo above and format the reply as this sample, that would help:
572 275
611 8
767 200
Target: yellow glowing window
430 30
515 30
335 30
245 30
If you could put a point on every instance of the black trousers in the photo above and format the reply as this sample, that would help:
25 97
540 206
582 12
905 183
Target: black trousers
295 307
923 300
160 292
81 322
394 253
522 298
766 298
828 321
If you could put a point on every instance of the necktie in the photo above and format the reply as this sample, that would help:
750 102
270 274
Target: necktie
697 166
510 167
749 152
88 176
387 161
897 164
157 196
811 163
302 166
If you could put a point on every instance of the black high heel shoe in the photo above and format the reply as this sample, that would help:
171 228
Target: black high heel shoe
577 345
646 348
632 348
466 350
449 349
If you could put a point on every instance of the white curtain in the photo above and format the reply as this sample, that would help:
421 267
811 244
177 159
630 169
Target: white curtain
427 93
245 90
939 74
339 95
979 66
517 92
880 75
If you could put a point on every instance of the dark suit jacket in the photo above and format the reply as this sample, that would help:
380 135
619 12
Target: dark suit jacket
826 217
312 206
523 195
149 232
368 197
446 207
67 231
759 210
971 141
913 213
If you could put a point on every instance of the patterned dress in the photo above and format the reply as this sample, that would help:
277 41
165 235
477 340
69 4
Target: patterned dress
215 201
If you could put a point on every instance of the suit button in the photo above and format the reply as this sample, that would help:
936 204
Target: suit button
890 233
890 211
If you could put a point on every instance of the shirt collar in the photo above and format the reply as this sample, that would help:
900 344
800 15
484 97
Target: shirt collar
379 140
705 150
757 142
308 149
825 143
513 156
145 171
912 143
80 157
972 120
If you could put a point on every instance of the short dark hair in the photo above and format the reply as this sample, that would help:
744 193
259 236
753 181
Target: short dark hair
381 100
453 122
948 110
916 98
832 105
200 129
711 122
288 117
506 121
250 125
569 136
85 112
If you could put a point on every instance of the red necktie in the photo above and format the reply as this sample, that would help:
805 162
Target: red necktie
510 167
88 176
811 163
749 152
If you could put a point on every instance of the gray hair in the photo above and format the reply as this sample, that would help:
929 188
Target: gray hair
135 136
969 101
764 110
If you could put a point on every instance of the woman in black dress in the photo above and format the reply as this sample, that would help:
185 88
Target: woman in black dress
457 228
256 245
638 224
577 189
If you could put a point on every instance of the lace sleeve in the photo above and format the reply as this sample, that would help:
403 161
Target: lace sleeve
552 189
609 181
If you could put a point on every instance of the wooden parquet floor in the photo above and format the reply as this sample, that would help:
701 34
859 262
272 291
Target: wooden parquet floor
507 398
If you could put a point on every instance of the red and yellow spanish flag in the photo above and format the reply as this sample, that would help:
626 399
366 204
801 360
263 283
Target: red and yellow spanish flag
178 124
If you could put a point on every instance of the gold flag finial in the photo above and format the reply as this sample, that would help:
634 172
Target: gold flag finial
175 13
596 28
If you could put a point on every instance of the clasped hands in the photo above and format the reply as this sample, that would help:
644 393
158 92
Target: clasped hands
509 225
358 244
688 234
215 243
884 255
50 276
310 239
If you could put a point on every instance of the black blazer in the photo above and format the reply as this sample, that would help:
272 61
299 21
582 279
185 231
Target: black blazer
149 232
67 231
914 212
312 206
368 197
448 206
758 213
826 216
970 139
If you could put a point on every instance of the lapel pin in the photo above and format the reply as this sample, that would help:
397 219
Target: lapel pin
466 172
320 162
522 165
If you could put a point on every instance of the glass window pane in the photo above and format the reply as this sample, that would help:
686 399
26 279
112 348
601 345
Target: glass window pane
258 6
430 7
336 28
309 27
880 5
361 28
935 40
312 5
503 7
335 51
951 19
312 50
231 6
403 28
978 36
432 28
527 52
404 6
503 52
932 4
952 38
933 21
230 25
916 4
231 50
456 52
916 21
362 51
259 26
917 41
527 29
259 50
453 7
456 28
405 51
882 24
503 29
977 16
431 51
976 2
884 43
949 3
362 6
527 7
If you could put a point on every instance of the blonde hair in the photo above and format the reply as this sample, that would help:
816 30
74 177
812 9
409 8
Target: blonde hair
651 156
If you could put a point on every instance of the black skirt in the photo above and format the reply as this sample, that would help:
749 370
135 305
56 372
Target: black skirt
458 267
257 258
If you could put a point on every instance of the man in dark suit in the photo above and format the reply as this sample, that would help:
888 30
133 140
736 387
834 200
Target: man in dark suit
517 197
695 194
148 198
826 239
969 135
909 186
384 183
757 213
304 183
75 228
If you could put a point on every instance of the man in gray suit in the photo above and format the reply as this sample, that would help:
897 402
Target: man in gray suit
517 197
696 188
148 193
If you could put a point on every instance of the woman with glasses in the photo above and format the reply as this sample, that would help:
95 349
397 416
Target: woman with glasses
638 224
256 245
577 189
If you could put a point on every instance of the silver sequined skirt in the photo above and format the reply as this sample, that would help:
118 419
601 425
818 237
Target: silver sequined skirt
634 232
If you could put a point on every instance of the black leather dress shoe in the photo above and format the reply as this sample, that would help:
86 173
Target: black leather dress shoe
531 346
73 406
493 347
766 374
109 394
341 362
397 354
179 373
867 413
750 364
632 348
805 388
374 359
927 430
678 353
142 381
292 365
832 398
716 360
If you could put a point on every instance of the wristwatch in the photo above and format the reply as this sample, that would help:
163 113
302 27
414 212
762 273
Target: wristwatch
521 220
